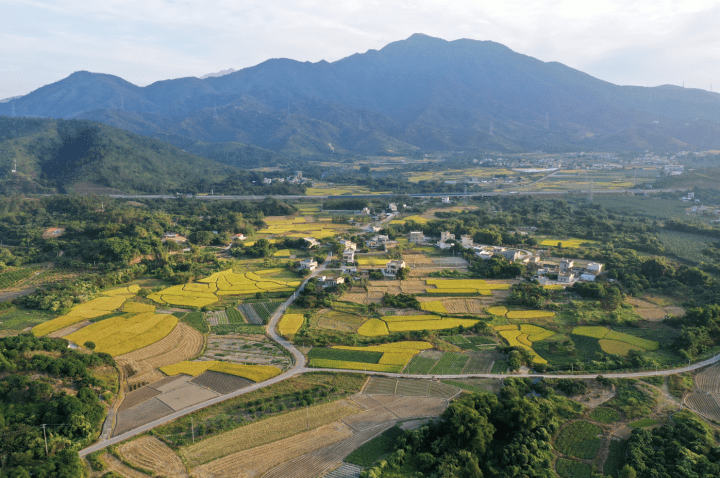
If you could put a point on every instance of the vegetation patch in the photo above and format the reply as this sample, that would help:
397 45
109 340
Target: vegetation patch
579 439
573 469
604 415
256 373
376 448
290 324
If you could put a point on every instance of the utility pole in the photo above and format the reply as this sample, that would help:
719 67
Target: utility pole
192 427
307 417
45 435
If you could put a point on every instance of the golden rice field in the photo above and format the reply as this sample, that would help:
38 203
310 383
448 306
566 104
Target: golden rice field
290 324
206 291
617 347
373 328
370 261
529 314
535 333
282 253
108 302
398 353
136 307
463 286
498 310
434 306
125 333
505 327
570 242
595 332
516 338
417 219
256 373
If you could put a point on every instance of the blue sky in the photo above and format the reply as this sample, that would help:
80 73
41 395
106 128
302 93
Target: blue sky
645 43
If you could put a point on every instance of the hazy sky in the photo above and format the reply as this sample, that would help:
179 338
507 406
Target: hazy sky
645 43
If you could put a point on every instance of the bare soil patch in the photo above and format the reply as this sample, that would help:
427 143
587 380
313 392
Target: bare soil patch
186 396
221 383
152 454
146 412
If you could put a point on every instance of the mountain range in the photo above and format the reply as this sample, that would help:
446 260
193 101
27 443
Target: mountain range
412 96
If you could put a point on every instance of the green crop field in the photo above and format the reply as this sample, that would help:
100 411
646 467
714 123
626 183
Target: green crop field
686 246
616 457
450 363
375 449
420 365
579 439
11 277
604 415
345 355
642 423
573 469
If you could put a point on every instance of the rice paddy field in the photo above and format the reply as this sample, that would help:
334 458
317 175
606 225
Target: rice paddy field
225 283
613 342
123 334
108 301
568 242
380 358
523 336
300 227
406 323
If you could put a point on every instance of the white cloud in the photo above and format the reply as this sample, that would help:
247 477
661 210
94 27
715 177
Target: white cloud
642 42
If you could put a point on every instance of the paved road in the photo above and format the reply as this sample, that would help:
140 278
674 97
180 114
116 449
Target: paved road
384 196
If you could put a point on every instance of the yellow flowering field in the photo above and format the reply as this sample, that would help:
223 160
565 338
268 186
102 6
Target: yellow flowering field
290 324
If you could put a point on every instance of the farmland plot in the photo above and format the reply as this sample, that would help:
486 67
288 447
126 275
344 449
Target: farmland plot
245 348
220 383
150 453
145 412
266 431
705 404
255 462
709 379
579 439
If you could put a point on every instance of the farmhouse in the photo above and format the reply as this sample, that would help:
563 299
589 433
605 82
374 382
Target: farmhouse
566 277
511 254
239 237
349 245
594 268
378 241
446 236
392 268
566 265
310 264
349 256
328 281
467 241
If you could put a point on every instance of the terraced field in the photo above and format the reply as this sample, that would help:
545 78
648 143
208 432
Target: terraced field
706 404
709 379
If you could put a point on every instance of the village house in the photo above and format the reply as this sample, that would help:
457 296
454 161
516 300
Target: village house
594 268
466 241
378 241
566 277
331 281
310 264
392 268
566 265
239 237
511 254
348 256
311 242
446 236
349 245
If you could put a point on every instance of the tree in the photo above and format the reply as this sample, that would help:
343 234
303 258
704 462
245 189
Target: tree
89 345
628 472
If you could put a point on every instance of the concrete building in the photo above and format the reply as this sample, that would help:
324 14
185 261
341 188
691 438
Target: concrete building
239 237
594 268
511 254
393 207
310 264
311 242
417 237
349 256
330 281
349 245
467 241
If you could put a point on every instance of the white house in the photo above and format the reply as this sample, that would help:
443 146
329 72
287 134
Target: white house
566 277
446 236
378 241
365 211
594 268
587 277
445 200
444 245
511 254
349 256
417 237
485 255
328 281
392 268
566 265
239 237
467 241
393 207
309 263
349 245
373 229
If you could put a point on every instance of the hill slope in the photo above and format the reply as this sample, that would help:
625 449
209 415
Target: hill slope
421 92
58 154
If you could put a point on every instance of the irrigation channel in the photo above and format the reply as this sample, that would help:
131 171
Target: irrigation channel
300 368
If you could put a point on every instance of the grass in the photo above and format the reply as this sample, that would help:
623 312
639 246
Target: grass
376 448
19 319
604 415
580 440
642 423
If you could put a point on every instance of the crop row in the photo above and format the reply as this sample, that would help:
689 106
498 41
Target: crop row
12 277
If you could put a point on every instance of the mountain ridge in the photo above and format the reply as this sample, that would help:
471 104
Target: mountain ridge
421 93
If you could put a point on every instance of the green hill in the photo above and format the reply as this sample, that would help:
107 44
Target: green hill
55 155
